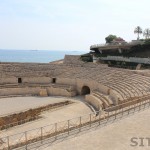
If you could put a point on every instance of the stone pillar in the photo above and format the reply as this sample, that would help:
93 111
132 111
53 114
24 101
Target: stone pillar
43 93
95 59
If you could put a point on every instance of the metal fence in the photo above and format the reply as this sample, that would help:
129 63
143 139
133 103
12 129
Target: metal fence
127 59
54 130
114 44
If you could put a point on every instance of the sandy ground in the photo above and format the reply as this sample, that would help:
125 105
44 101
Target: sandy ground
16 104
115 136
78 108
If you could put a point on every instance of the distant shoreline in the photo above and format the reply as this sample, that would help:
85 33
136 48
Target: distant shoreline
35 56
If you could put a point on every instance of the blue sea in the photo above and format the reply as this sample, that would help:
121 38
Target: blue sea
41 56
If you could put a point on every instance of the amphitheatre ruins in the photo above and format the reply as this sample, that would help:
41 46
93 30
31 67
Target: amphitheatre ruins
77 89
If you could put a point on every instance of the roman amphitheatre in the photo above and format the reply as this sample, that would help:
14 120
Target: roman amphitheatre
72 104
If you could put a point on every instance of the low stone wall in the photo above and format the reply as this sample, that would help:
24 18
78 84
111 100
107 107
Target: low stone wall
37 80
26 116
94 102
66 81
31 86
61 92
31 80
20 91
38 91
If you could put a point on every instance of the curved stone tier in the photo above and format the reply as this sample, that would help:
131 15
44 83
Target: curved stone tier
103 85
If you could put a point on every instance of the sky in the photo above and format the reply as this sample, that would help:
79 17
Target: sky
69 24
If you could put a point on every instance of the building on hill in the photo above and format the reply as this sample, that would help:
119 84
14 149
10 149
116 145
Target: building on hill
119 41
119 53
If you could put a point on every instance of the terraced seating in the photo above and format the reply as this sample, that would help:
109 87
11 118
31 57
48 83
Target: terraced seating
127 89
127 84
95 102
99 100
103 98
120 91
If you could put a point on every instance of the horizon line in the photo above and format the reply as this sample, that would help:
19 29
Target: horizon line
41 50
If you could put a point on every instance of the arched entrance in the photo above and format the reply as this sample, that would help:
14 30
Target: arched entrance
85 90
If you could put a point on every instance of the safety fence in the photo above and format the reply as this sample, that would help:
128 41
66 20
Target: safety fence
54 130
116 44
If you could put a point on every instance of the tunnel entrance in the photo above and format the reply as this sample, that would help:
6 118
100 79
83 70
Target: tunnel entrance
85 90
19 80
54 80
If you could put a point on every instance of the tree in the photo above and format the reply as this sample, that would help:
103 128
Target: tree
138 31
146 33
110 38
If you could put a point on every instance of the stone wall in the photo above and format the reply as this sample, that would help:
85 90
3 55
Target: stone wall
63 87
93 85
72 59
37 91
37 80
31 80
81 83
10 80
60 92
20 91
66 81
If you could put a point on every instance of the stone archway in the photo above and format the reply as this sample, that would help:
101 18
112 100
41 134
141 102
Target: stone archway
85 90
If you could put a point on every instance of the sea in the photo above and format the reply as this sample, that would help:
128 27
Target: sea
37 56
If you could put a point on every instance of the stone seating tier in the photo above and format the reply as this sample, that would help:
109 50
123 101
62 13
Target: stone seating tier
126 83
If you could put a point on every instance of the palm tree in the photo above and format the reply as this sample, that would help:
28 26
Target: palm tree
138 30
146 33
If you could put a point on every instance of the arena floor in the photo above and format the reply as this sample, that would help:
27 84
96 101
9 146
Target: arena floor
114 136
17 104
76 109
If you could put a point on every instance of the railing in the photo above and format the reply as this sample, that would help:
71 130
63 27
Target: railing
114 44
97 45
66 127
126 59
